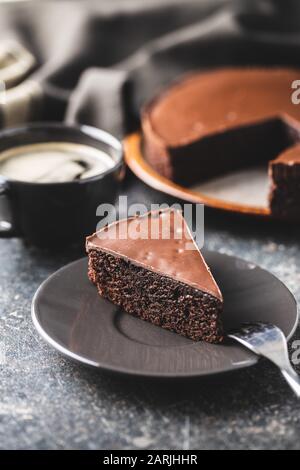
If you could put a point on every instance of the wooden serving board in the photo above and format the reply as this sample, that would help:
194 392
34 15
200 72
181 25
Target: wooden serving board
243 192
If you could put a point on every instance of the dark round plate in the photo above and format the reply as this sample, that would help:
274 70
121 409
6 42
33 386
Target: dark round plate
70 315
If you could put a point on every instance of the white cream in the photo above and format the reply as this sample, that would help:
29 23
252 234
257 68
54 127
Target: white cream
53 162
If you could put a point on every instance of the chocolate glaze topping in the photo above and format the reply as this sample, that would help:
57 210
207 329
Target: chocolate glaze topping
290 157
159 241
211 102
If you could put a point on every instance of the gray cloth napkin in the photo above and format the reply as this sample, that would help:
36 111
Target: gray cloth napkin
99 61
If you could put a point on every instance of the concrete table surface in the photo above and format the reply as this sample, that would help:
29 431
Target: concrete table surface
48 402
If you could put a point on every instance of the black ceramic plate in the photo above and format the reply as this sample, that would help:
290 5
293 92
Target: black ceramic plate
69 314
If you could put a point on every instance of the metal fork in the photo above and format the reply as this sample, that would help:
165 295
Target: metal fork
269 341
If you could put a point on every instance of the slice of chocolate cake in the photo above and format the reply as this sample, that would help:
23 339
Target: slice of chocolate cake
285 193
151 267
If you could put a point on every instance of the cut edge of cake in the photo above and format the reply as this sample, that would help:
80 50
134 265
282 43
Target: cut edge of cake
284 173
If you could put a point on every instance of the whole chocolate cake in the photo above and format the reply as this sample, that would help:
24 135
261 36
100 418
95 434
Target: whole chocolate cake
214 122
151 267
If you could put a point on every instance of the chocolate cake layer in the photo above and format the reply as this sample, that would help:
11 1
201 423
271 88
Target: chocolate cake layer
285 174
160 276
215 122
226 151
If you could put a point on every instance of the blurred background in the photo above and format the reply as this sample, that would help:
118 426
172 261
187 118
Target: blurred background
97 62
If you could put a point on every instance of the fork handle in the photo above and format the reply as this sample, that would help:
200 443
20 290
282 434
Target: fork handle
292 379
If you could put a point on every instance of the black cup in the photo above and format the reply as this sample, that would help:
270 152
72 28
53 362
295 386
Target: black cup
57 214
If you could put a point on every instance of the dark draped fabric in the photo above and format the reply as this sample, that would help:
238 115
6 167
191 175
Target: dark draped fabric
99 61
